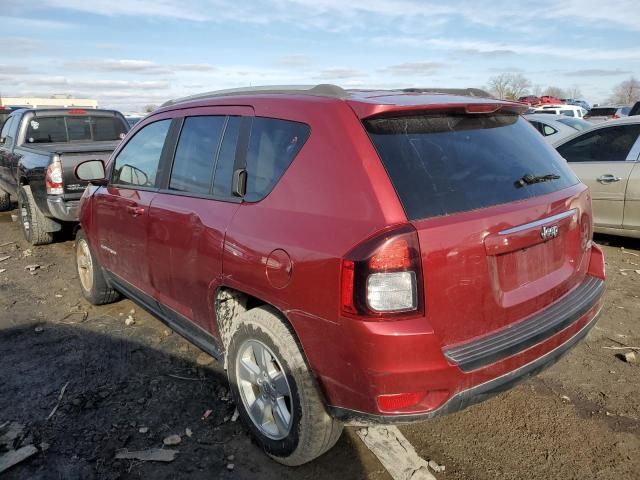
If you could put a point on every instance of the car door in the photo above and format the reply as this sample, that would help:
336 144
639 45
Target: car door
122 207
8 159
189 216
603 159
631 219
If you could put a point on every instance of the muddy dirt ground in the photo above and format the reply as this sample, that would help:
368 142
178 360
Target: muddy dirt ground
579 419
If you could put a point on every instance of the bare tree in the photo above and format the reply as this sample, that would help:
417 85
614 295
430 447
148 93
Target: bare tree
575 92
627 92
509 86
150 108
555 92
536 90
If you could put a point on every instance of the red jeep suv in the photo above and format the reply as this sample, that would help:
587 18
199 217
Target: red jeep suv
352 256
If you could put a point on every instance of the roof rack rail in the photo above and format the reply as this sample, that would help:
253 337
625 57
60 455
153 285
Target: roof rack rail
321 90
468 92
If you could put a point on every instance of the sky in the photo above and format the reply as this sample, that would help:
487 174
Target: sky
130 53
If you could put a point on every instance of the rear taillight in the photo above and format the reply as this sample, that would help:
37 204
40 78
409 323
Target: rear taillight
382 277
53 178
614 116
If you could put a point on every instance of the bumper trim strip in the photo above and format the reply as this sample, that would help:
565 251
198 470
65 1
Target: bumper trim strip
520 336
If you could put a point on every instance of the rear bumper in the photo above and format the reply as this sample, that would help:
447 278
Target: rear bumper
65 210
474 394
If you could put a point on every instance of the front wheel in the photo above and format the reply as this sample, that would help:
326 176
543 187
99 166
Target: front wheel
93 284
275 393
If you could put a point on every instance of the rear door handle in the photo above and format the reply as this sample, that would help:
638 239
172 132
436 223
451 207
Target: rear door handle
135 211
608 178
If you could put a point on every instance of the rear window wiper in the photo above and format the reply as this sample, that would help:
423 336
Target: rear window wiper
529 179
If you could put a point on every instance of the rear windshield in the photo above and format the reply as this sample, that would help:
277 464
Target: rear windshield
444 164
602 112
576 123
68 128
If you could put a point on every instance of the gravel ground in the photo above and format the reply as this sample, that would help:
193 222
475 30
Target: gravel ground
131 386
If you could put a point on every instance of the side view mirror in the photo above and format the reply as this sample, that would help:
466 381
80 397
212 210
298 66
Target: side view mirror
92 171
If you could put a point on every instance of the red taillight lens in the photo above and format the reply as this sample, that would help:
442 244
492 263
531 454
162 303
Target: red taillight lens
614 116
394 255
76 111
399 401
382 277
53 178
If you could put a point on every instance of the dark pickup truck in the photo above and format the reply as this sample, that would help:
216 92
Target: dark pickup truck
39 150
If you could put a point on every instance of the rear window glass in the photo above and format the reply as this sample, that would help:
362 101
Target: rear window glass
575 123
602 112
67 128
272 147
444 164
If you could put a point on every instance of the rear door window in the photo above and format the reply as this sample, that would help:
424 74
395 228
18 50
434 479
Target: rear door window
610 144
195 157
273 145
223 176
443 164
137 163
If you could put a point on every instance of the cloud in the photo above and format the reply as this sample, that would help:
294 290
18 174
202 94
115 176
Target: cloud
338 73
296 60
413 68
144 67
598 72
24 22
110 65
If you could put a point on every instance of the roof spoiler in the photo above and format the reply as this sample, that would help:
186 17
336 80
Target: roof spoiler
467 92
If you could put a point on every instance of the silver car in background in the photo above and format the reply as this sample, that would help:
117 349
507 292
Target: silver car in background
556 127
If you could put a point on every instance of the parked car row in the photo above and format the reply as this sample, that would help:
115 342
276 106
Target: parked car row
307 236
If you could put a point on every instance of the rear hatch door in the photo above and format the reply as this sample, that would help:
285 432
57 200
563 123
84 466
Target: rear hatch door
503 223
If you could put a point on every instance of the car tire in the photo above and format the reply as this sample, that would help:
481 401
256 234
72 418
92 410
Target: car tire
5 201
32 221
93 283
304 430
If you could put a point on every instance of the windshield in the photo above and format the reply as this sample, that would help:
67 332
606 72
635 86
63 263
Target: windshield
602 112
443 164
575 123
68 128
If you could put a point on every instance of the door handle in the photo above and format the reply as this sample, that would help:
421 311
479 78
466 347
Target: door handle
135 211
608 178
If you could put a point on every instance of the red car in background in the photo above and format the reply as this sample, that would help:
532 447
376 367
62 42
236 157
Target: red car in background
377 256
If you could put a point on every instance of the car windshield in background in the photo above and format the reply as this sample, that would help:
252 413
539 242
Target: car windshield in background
444 164
576 123
67 128
602 112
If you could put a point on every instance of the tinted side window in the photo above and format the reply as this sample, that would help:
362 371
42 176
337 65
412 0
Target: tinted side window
226 158
46 130
8 141
137 163
610 144
196 154
272 147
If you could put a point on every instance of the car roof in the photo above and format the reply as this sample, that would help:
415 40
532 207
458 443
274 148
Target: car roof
364 102
597 126
545 117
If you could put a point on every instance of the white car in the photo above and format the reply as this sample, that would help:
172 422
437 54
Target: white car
568 110
556 127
